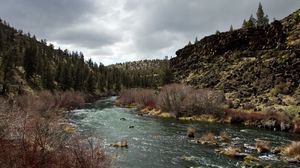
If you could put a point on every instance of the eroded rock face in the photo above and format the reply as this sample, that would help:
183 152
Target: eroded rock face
246 62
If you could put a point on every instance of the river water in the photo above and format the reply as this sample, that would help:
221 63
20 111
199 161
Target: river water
162 143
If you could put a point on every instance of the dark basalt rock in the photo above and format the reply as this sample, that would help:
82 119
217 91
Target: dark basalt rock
249 61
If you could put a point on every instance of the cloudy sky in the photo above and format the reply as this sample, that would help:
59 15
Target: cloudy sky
111 31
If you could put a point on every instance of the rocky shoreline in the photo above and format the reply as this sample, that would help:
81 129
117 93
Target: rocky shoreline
224 143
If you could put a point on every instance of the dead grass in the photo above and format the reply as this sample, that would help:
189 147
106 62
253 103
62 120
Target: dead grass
190 132
292 150
231 151
224 137
208 138
256 118
262 146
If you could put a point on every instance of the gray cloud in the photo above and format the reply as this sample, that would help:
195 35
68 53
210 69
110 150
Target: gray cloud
112 31
86 38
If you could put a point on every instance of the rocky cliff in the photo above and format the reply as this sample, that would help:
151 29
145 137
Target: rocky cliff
253 66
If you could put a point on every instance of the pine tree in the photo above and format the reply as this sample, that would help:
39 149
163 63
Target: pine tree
65 78
244 24
91 83
48 78
231 28
30 61
7 67
196 40
167 75
262 20
251 22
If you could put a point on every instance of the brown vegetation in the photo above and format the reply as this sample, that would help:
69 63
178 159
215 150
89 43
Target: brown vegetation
141 97
171 98
190 132
32 134
224 137
203 101
184 101
292 150
262 146
178 99
231 151
208 138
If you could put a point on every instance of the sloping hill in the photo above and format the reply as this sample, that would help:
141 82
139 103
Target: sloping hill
28 65
257 66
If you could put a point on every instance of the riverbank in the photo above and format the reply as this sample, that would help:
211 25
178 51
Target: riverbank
268 120
185 103
165 140
35 132
224 143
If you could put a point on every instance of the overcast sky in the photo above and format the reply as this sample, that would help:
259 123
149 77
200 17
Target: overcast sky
111 31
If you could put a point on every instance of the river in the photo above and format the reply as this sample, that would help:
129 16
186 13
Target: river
162 143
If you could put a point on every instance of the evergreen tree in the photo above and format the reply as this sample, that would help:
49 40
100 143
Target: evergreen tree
244 24
7 67
251 22
91 83
167 76
196 40
30 61
65 78
48 78
231 28
262 20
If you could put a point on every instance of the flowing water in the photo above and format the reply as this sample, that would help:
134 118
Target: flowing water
162 143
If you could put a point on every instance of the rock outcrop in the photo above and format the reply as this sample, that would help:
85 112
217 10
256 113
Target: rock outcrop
258 65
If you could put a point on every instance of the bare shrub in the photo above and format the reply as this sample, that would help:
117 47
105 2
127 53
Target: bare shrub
203 101
46 102
34 139
70 100
171 98
142 97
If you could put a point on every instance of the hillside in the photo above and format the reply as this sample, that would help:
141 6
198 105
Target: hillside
256 67
146 73
29 65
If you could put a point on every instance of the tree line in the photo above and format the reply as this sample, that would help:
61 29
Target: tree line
28 63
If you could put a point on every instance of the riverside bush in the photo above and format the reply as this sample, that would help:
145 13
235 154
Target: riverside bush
171 98
33 139
142 97
178 99
203 101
